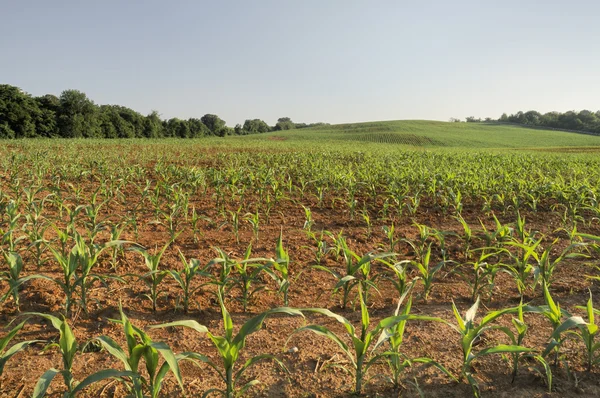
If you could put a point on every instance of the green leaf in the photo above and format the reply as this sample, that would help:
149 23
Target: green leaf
169 357
43 383
115 350
101 375
503 348
567 324
187 323
323 331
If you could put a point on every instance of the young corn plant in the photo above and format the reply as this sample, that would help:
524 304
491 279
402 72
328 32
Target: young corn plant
185 276
68 281
116 230
470 331
391 237
357 272
13 277
35 229
467 236
68 348
229 348
195 218
235 223
7 237
553 313
397 361
87 256
588 331
321 248
480 274
254 220
278 269
247 276
308 219
154 276
172 221
427 271
517 340
546 266
398 277
223 280
419 245
498 236
521 269
368 222
141 347
362 340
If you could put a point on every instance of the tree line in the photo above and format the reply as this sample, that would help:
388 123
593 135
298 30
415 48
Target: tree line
585 121
74 115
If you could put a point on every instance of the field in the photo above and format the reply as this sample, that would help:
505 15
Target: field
431 134
383 259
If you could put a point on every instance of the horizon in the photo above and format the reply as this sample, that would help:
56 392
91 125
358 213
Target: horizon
333 62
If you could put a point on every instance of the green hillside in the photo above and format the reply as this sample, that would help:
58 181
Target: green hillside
422 133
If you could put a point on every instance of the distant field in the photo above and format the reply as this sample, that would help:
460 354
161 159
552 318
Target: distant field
421 133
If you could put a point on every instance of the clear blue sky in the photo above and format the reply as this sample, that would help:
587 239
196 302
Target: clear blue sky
312 60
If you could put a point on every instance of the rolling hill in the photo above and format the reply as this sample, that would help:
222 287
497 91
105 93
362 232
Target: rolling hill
431 134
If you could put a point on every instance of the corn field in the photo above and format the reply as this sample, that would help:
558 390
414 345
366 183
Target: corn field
165 268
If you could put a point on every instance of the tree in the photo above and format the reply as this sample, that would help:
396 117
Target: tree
255 126
45 123
197 128
18 113
215 124
238 130
78 115
153 126
284 123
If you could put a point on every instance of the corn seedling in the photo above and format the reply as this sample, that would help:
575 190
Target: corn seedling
68 349
391 238
154 276
279 269
140 346
588 331
470 331
554 314
13 277
229 348
358 351
254 220
480 274
394 335
185 276
247 275
357 271
427 271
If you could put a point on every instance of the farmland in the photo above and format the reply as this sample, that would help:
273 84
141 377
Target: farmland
387 259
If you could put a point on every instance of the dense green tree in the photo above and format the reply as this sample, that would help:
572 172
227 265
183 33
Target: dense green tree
107 122
238 130
215 125
584 120
197 128
78 116
255 126
18 113
153 126
284 123
45 123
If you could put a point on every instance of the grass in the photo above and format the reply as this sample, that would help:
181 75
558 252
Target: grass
432 134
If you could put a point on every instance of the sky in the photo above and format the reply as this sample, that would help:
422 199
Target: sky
331 61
